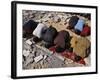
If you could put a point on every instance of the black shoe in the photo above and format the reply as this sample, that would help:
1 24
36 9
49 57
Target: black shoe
77 58
36 39
77 32
59 49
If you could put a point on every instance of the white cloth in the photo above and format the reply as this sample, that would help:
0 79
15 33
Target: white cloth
37 31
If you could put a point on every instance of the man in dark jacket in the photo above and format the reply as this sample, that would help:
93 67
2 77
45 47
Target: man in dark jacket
48 35
28 28
62 41
72 22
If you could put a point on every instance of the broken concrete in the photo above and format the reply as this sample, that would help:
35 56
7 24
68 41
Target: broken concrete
38 58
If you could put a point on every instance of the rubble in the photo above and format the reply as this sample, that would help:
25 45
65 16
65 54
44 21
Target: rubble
26 53
48 51
57 19
59 56
26 46
68 61
38 58
45 57
28 61
29 42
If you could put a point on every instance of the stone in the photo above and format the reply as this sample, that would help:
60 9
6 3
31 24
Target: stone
68 61
45 56
45 19
26 46
33 52
28 42
43 12
60 57
44 49
38 58
40 20
26 53
28 61
55 62
50 15
60 16
57 19
31 55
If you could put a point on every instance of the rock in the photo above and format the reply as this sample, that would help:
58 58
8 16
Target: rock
40 20
29 42
26 14
44 64
33 52
26 53
31 55
60 57
28 61
34 12
38 58
54 62
43 12
45 49
60 16
26 46
40 16
68 61
57 19
50 15
45 56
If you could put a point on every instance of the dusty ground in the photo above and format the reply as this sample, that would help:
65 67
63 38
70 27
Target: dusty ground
48 60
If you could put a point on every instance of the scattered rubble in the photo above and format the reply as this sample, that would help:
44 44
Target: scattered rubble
38 58
26 53
45 57
29 42
57 19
